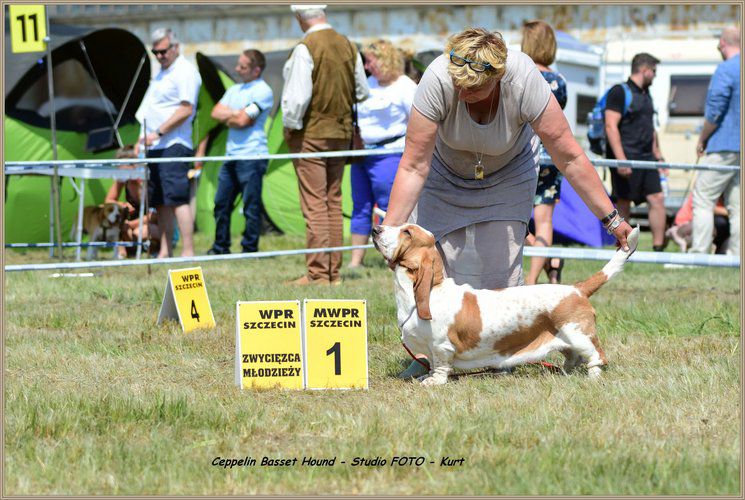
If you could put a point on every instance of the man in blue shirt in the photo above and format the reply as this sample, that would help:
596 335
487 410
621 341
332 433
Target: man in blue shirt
720 140
244 109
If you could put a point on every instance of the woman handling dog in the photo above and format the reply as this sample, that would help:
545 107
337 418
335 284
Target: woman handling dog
469 170
131 205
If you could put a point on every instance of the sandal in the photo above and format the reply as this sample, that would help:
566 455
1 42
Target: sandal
553 272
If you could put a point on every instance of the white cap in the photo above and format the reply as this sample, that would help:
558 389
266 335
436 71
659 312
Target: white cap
301 7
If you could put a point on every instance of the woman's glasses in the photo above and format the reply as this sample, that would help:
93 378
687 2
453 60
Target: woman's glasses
478 67
161 52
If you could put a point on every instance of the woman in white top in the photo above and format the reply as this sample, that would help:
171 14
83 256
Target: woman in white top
382 120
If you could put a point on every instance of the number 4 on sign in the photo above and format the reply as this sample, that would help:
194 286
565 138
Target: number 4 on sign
185 299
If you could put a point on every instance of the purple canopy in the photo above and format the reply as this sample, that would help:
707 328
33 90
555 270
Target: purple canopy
574 221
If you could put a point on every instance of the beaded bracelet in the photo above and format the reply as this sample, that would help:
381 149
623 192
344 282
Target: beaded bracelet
613 225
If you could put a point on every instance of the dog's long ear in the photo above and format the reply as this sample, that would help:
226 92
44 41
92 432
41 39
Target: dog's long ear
423 286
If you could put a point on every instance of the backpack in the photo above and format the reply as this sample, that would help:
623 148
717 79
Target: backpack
596 120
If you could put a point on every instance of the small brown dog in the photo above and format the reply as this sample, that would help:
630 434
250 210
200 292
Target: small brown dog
101 223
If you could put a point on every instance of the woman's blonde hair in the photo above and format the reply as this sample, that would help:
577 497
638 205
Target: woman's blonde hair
539 42
390 59
476 44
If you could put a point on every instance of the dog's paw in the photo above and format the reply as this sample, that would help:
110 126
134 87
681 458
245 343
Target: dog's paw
434 380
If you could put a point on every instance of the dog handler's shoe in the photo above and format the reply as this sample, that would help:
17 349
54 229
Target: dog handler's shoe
415 369
305 281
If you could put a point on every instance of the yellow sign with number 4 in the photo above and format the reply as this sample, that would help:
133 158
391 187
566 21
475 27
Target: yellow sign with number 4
186 299
28 28
335 347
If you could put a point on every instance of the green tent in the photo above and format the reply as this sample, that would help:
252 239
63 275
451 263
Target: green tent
98 75
280 195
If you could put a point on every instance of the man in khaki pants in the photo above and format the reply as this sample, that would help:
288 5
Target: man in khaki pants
720 140
324 76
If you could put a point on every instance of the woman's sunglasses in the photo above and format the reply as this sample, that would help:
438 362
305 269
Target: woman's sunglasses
478 67
161 52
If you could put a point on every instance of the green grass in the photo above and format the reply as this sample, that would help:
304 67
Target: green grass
101 401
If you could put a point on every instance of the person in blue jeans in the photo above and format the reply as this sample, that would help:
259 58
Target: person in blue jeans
244 109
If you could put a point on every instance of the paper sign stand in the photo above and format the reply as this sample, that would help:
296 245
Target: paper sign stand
185 299
335 344
268 345
320 347
168 309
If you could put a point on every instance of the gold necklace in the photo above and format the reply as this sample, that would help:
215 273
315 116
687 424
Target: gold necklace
478 168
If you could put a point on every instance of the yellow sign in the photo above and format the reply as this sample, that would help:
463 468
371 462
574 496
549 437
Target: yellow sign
186 299
268 345
335 345
28 28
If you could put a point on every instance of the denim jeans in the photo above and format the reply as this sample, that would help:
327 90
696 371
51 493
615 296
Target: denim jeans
244 178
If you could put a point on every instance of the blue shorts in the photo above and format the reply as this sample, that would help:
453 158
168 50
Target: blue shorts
372 180
168 184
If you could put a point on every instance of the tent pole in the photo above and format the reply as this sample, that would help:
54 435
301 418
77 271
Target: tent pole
53 123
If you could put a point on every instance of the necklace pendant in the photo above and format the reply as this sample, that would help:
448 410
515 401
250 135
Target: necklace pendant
478 171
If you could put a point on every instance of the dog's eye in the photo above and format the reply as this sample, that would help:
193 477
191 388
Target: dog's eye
406 232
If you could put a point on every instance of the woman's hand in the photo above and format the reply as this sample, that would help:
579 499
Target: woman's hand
622 233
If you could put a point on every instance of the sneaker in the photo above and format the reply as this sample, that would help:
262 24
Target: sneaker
214 251
415 369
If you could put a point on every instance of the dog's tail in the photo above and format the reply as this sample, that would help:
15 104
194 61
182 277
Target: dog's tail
613 267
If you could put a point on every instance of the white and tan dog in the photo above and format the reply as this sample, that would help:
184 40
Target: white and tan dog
101 223
459 327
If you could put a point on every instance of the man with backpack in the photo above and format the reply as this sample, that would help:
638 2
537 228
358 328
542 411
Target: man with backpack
629 128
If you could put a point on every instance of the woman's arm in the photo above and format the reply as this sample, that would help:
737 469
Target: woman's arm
114 191
553 129
412 169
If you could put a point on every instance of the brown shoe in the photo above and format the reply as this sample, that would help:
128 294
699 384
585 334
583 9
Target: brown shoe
305 281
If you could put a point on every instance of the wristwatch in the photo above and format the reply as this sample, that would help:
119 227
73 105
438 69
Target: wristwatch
157 131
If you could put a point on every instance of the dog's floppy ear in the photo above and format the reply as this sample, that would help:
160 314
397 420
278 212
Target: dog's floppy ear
423 285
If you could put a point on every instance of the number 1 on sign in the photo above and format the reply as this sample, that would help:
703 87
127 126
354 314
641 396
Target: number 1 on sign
336 351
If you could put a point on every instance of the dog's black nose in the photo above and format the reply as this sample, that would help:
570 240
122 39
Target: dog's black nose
377 230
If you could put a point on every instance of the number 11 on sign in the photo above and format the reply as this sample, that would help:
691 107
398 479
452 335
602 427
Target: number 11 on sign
27 28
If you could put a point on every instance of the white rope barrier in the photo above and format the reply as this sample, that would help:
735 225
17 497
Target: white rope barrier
174 260
649 165
686 259
16 167
100 244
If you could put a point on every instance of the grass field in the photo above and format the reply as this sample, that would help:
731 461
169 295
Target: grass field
101 401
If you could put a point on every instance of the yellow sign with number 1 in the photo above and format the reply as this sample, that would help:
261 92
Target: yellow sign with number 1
335 344
28 28
186 299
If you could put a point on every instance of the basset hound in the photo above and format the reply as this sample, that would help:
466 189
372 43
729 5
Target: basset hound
457 326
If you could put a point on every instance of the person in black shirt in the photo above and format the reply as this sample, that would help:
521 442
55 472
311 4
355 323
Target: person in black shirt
631 136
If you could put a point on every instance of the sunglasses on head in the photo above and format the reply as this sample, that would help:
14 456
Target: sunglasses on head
478 67
161 52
